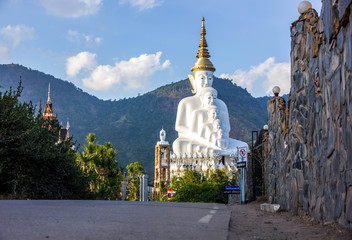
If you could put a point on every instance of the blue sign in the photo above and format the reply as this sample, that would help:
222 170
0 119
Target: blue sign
229 188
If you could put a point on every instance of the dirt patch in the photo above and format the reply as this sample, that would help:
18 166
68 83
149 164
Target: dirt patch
249 222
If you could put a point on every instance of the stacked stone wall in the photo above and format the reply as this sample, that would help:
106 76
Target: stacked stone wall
308 145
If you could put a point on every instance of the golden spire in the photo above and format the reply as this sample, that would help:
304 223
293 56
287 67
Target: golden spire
203 62
49 94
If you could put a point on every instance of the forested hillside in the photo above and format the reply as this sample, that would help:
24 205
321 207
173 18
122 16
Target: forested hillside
131 125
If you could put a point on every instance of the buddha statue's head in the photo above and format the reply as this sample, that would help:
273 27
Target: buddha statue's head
216 125
212 113
209 96
203 69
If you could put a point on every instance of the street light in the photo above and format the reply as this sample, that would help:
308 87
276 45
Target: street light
276 91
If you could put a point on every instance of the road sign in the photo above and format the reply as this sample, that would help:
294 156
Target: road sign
169 193
241 164
232 190
243 152
232 187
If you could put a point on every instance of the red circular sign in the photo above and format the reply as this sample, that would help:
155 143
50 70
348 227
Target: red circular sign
242 152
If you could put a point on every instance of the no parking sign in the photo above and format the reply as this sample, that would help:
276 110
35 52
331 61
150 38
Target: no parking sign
242 157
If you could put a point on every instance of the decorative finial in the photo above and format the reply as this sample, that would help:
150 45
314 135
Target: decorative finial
162 135
49 94
203 62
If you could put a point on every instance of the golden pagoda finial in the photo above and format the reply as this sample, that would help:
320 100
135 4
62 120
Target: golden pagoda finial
49 94
203 62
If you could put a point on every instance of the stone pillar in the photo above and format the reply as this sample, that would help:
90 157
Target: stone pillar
123 191
143 188
162 167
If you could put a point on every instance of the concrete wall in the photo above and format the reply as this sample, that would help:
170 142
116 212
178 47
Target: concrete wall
308 146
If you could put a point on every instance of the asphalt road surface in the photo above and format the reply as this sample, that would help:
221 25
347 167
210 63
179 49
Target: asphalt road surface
31 219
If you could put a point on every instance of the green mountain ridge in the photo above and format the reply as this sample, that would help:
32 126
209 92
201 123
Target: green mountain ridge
131 125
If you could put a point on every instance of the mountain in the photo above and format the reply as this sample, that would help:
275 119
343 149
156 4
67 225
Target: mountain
131 125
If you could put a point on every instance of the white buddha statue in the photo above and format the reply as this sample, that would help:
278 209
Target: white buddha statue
202 120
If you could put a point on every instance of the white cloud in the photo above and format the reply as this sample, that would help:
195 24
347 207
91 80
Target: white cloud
133 74
83 60
264 76
279 75
76 37
142 4
16 34
71 8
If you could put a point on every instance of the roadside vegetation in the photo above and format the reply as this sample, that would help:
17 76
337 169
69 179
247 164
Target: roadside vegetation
134 170
34 165
193 187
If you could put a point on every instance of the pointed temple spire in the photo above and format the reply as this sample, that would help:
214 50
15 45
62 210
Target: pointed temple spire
203 51
49 111
49 94
203 62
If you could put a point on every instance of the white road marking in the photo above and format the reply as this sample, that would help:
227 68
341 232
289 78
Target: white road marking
212 211
205 219
215 207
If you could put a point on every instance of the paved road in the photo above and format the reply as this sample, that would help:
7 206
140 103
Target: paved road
30 219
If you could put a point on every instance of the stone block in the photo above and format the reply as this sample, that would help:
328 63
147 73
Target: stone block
267 207
340 40
335 61
349 205
318 105
327 67
339 205
317 210
300 178
331 138
294 196
327 168
343 84
305 190
343 160
303 151
348 177
343 5
305 205
313 200
327 18
335 162
298 81
348 50
299 26
349 96
328 208
348 139
335 94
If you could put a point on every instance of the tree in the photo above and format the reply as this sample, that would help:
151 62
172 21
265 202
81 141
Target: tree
193 188
32 163
134 171
99 164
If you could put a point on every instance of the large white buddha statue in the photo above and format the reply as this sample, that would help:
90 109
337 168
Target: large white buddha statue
202 120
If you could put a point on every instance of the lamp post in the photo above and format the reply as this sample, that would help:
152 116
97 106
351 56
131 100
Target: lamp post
253 163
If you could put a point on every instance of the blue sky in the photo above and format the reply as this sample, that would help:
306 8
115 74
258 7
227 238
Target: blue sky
120 48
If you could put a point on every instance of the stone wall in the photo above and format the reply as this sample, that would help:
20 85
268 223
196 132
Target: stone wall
308 146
